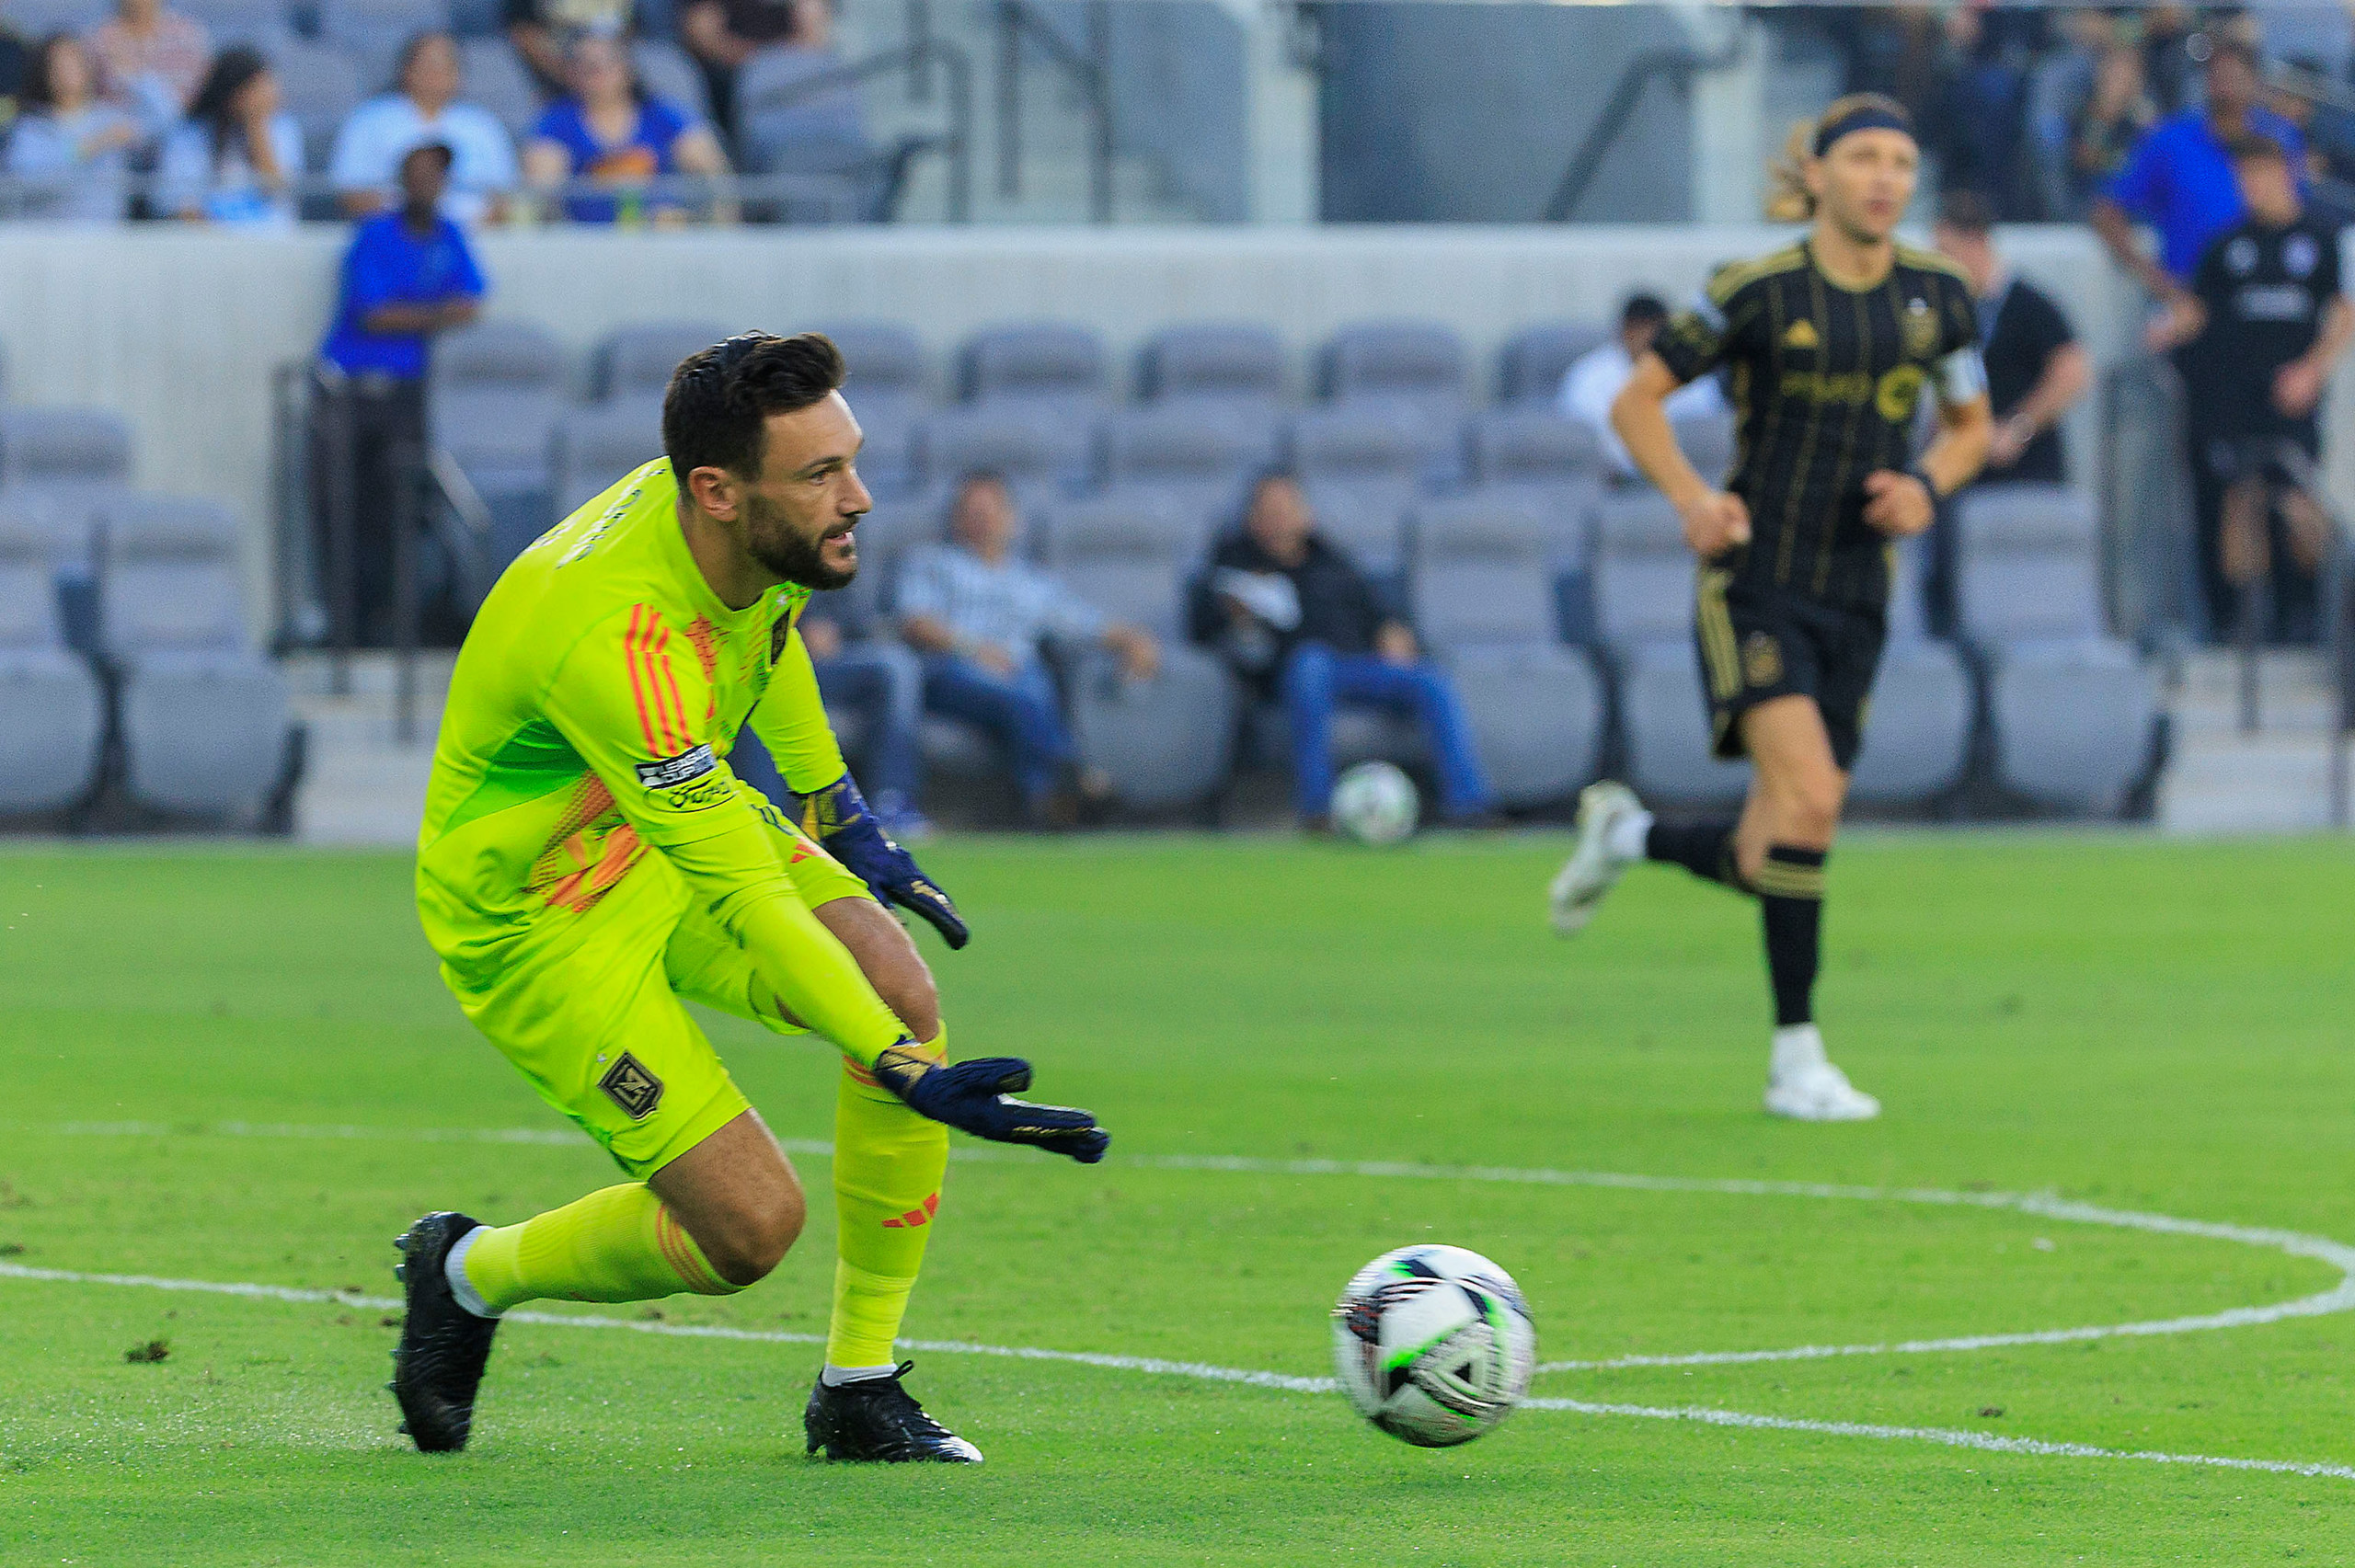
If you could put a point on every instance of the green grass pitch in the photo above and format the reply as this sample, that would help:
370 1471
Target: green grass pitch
2129 1024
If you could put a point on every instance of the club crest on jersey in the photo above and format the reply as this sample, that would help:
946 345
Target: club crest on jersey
627 1084
1921 328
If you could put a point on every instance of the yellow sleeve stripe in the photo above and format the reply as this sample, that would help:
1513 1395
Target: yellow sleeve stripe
1735 275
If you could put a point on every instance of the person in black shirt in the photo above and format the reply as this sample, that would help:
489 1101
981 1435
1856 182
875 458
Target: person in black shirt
2264 323
1831 344
1300 622
2036 367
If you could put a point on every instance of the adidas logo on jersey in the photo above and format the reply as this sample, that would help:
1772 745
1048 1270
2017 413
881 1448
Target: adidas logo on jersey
1801 336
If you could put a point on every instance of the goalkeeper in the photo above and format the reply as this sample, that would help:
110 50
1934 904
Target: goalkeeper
587 860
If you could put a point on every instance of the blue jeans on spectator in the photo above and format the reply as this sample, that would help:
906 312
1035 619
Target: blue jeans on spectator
1316 679
884 681
1019 710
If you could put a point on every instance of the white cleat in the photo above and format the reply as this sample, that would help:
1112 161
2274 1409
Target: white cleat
1606 811
1817 1092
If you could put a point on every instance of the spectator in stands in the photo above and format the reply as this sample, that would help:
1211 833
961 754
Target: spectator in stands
1589 384
2036 367
424 107
407 276
237 156
861 667
981 617
2115 115
2268 326
1983 102
2179 178
609 132
1298 621
150 61
723 34
68 146
538 29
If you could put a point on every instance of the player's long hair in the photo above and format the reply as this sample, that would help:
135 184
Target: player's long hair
1787 198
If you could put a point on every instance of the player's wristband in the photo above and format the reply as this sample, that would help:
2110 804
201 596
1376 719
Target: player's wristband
1918 472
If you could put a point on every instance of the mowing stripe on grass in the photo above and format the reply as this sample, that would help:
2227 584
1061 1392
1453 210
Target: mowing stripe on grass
1204 1372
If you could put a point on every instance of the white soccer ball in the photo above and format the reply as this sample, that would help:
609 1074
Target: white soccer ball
1375 803
1433 1345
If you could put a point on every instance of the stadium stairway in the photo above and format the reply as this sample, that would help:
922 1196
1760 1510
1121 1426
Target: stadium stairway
363 786
2276 780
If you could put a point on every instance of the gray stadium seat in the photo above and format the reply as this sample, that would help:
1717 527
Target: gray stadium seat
1368 521
1192 458
1643 573
1533 360
1165 743
52 711
1417 364
1917 741
205 719
1126 558
2071 709
1235 364
1664 725
1049 364
594 447
821 136
637 360
497 79
1357 446
1481 601
886 390
320 87
373 31
48 448
1554 463
495 396
1039 450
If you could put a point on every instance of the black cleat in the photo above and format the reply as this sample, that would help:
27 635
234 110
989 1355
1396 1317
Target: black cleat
875 1420
438 1364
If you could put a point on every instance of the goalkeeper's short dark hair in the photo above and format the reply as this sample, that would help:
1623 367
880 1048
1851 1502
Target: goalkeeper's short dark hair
715 409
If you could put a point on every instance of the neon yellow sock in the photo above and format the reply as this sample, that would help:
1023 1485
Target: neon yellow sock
888 1165
620 1244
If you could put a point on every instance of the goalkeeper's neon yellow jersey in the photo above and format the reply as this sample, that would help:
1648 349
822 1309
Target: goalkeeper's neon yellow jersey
589 720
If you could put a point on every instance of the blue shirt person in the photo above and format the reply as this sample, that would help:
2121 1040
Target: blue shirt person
2179 178
407 276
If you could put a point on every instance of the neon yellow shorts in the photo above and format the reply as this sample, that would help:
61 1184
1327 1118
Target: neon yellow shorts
596 1023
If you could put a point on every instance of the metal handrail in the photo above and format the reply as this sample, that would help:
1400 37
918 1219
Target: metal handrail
1675 62
1091 73
912 59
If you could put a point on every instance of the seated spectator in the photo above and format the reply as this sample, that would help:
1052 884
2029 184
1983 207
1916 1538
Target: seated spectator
1300 622
2113 118
862 667
1590 383
538 29
237 156
150 61
2266 326
424 107
980 617
607 131
723 34
407 276
67 145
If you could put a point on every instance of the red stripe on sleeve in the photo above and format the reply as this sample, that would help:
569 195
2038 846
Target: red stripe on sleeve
671 684
638 675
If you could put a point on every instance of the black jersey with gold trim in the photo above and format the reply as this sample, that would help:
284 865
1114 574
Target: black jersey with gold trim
1825 381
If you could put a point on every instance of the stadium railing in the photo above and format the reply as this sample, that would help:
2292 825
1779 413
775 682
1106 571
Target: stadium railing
1087 68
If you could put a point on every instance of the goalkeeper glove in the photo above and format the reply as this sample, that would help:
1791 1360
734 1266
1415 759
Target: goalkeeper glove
838 818
978 1097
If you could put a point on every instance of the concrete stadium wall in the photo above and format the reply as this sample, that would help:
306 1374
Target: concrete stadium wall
179 329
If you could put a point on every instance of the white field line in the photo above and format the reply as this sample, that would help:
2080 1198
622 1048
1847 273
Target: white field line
1201 1372
2338 1299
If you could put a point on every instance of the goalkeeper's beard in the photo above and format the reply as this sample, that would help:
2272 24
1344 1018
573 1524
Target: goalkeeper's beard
792 556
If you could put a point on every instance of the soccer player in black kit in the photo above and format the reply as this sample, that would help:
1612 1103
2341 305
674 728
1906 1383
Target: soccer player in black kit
1828 344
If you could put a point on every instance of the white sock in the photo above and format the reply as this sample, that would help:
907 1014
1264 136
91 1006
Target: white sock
453 1269
834 1377
1795 1046
1626 837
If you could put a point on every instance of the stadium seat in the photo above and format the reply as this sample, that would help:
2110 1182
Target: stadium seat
320 87
498 80
204 720
1194 459
52 710
1366 519
374 30
1048 365
1418 365
1038 452
1123 557
887 391
637 360
1533 360
1165 743
1238 366
1554 464
495 396
818 136
593 447
1643 573
1708 441
52 448
1917 740
2071 707
1357 446
1664 728
1481 603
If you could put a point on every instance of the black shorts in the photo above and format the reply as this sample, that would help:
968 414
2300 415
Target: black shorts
1758 644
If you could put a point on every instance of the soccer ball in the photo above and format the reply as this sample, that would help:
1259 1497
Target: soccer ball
1433 1345
1375 803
